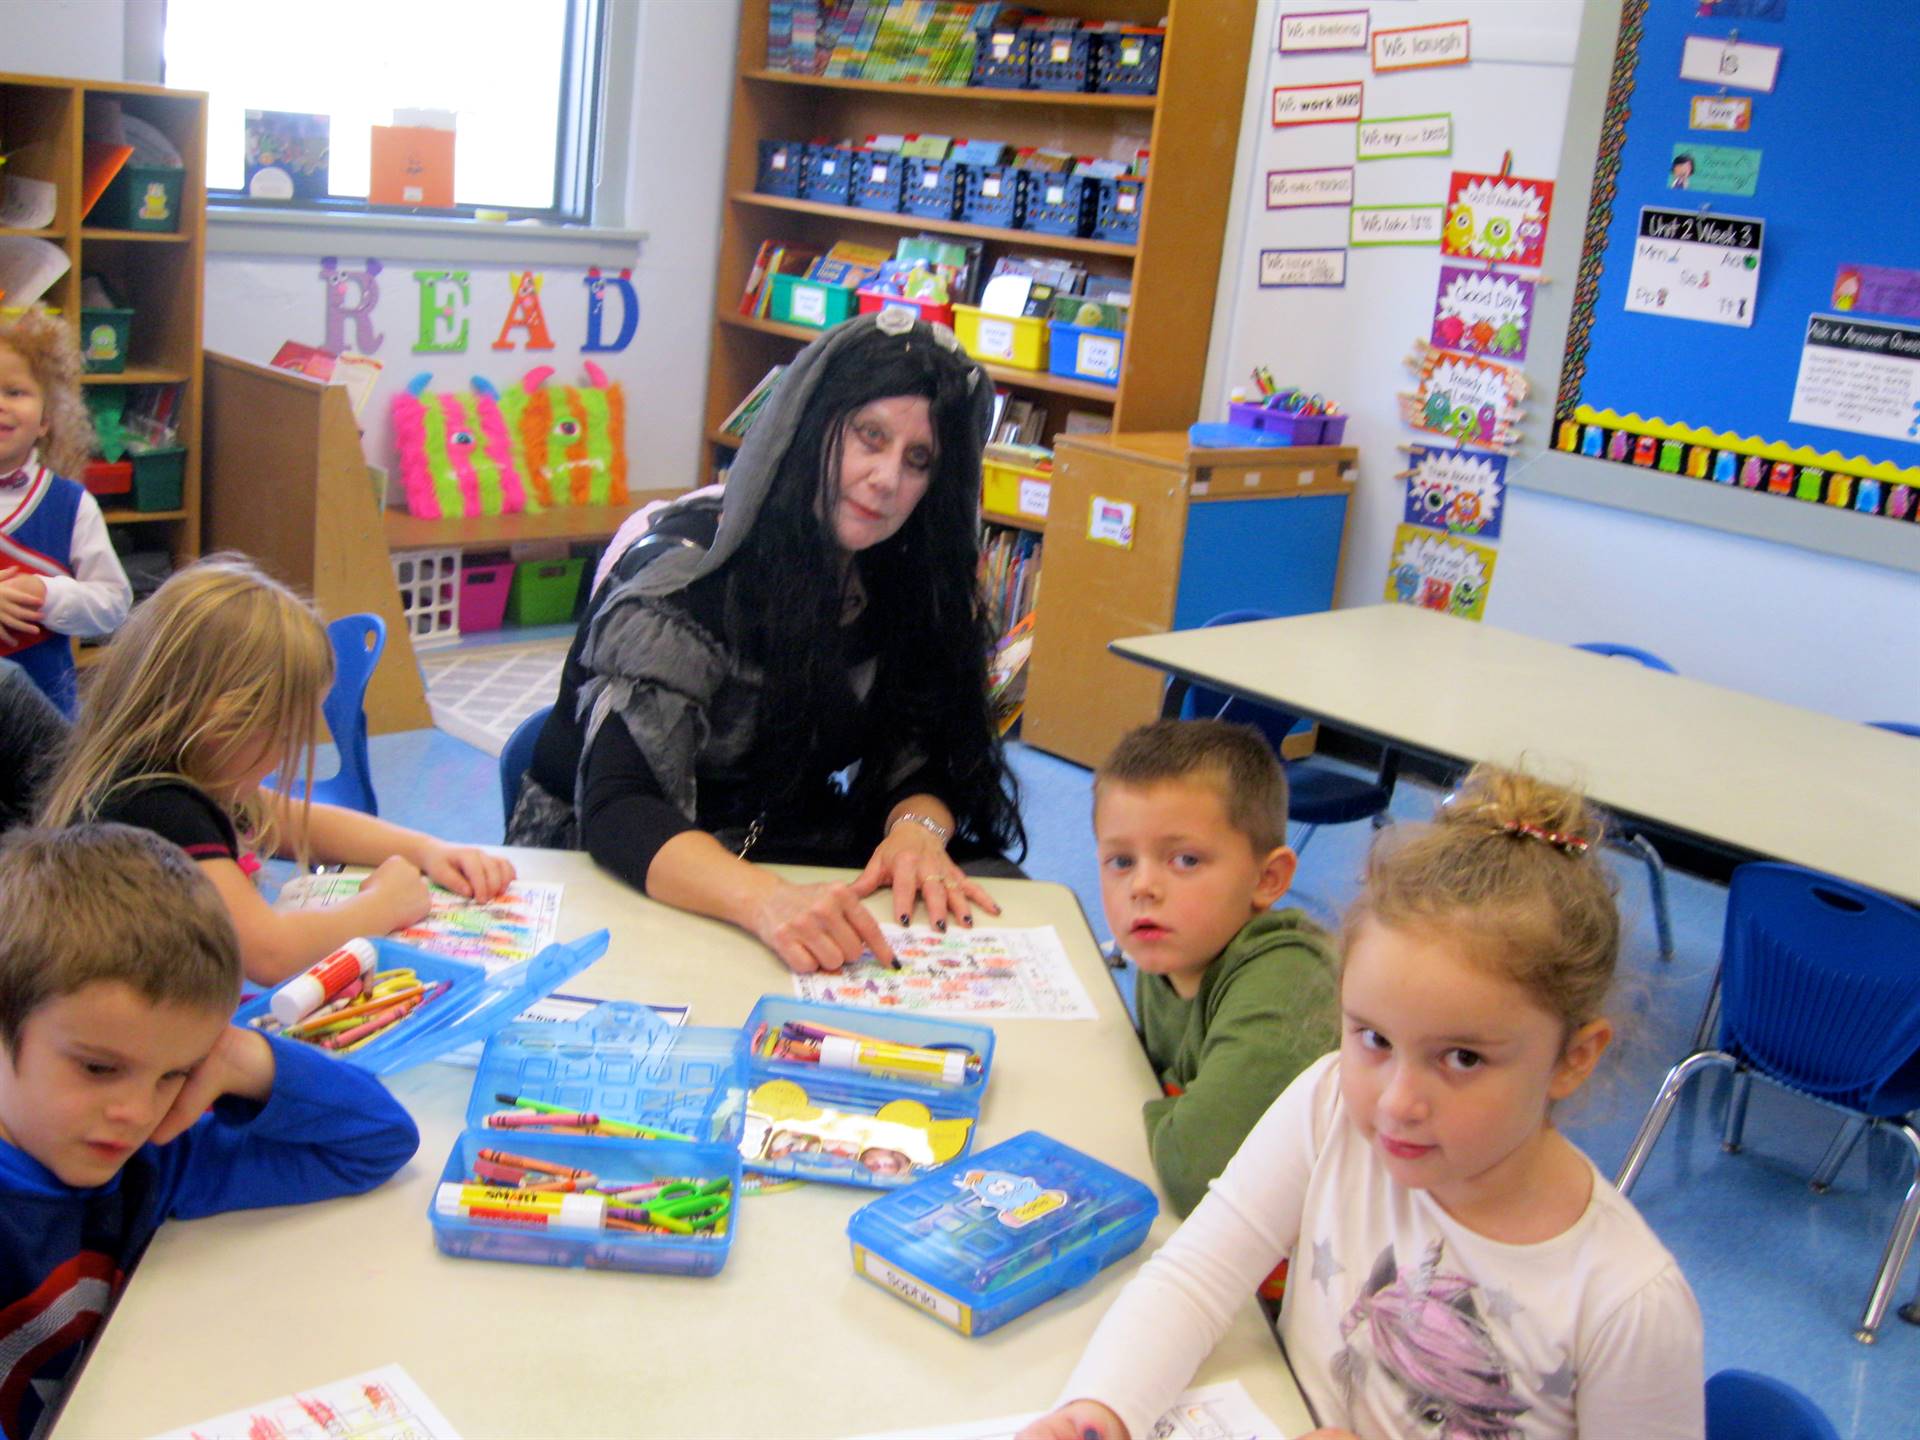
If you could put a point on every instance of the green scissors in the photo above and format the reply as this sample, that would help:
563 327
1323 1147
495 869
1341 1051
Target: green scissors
684 1208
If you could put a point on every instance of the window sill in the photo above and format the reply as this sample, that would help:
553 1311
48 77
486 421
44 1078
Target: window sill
232 230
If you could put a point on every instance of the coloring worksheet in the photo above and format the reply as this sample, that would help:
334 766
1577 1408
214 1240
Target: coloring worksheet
511 927
1207 1412
1017 974
382 1404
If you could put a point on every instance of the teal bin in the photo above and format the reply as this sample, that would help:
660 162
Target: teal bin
140 197
159 477
105 333
543 591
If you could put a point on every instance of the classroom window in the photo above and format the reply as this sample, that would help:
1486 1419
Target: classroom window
522 76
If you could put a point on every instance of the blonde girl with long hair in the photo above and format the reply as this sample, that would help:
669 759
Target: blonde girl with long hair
214 684
1458 1268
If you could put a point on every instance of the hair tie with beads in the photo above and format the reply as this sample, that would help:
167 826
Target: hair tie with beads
1565 844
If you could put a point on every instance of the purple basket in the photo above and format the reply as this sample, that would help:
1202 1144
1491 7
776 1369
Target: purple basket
1289 429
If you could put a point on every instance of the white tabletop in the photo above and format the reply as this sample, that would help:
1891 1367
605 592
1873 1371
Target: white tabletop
1753 776
787 1340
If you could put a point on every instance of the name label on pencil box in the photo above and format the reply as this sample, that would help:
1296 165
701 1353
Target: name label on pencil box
941 1307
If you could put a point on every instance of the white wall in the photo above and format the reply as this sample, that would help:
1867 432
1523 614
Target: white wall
682 87
1830 634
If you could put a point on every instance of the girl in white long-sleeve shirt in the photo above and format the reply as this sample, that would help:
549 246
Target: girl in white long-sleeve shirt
1459 1271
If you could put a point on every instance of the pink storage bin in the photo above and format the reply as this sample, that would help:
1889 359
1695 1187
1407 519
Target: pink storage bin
483 596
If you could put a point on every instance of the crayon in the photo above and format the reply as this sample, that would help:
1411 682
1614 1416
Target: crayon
534 1120
527 1162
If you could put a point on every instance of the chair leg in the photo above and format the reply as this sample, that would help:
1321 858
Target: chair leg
1837 1152
1910 1312
1306 834
1737 1111
1656 1120
1898 1244
1657 884
1703 1033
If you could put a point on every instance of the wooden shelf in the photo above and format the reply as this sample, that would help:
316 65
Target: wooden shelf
726 442
137 517
964 94
1001 374
1028 239
162 237
49 234
1016 522
136 375
486 532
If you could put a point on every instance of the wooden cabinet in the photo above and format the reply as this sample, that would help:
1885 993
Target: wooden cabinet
1190 127
1146 534
159 274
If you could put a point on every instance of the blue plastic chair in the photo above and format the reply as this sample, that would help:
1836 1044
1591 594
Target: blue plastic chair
1820 994
1637 844
1742 1405
358 641
1317 794
517 756
1898 727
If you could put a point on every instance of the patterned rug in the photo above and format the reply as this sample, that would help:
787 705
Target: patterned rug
479 693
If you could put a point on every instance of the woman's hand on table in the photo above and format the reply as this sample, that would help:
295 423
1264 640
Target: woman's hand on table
914 861
817 927
1082 1420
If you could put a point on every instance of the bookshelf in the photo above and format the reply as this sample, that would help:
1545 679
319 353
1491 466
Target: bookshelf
1174 267
161 275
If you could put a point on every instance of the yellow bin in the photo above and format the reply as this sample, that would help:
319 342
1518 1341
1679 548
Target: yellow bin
1014 490
1016 341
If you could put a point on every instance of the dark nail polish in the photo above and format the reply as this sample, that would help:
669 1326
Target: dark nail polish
905 918
967 920
940 925
1090 1434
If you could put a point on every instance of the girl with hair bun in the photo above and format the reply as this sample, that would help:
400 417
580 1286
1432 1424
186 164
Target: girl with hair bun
1458 1268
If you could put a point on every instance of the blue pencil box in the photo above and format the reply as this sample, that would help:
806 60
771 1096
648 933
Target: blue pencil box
621 1062
978 1244
930 1121
473 1006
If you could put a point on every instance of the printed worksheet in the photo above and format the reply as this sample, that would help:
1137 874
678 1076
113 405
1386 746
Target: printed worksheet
1208 1412
1016 974
382 1404
507 929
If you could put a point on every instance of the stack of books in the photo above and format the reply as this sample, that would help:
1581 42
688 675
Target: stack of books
929 42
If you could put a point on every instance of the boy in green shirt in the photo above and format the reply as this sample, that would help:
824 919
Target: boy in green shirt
1234 1000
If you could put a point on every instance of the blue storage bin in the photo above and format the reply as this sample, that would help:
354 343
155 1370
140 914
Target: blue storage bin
782 167
1060 60
864 1092
615 1163
876 179
1117 207
1085 352
930 188
471 1009
1060 204
1000 60
978 1244
1127 62
621 1062
993 195
828 176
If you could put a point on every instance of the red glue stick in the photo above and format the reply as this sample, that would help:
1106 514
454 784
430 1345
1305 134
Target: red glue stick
307 992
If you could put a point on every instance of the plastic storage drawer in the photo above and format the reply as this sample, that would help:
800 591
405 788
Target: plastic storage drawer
1060 204
1117 206
877 175
1127 62
1060 60
930 188
872 302
978 1244
798 301
828 178
1000 60
781 169
1085 352
993 195
1017 341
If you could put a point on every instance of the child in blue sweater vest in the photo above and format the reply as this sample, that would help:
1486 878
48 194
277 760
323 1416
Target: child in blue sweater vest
128 1098
59 576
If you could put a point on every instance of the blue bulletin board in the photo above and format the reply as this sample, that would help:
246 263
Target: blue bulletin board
1740 290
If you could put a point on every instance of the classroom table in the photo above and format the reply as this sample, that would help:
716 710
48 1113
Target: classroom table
1752 778
786 1341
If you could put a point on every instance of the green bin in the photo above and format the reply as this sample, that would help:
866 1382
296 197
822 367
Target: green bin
140 197
159 477
543 591
104 336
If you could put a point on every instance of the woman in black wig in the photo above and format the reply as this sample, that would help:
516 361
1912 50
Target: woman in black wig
796 669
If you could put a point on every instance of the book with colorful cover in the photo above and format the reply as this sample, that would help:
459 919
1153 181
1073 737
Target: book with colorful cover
848 265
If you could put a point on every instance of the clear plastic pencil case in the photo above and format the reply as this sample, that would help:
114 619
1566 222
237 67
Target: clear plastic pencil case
1020 1222
663 1200
859 1097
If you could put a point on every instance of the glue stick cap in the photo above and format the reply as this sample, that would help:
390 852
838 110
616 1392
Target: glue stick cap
313 987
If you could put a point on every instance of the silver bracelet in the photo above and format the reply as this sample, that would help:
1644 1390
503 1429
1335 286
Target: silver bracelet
940 832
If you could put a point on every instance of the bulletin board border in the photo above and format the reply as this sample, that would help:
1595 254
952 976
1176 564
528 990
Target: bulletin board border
1598 113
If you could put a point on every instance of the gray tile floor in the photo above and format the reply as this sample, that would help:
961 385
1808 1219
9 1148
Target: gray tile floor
1781 1273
